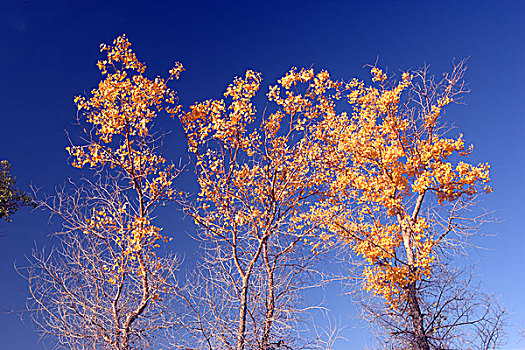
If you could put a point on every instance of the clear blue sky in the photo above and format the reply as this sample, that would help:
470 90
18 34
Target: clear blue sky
49 51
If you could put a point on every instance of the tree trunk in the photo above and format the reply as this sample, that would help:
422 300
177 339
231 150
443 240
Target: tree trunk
241 331
270 303
242 314
420 338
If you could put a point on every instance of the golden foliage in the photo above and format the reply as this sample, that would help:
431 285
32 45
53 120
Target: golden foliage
120 113
368 171
384 160
248 175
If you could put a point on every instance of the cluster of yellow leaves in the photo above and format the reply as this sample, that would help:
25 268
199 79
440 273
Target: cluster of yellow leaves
368 171
380 159
120 112
129 232
119 115
227 124
259 178
141 232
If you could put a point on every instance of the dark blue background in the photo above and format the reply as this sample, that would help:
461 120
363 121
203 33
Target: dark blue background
49 51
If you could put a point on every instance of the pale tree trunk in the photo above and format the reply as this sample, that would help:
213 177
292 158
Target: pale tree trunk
420 338
270 303
241 331
126 327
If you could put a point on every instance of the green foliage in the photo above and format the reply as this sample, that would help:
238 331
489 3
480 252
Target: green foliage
11 199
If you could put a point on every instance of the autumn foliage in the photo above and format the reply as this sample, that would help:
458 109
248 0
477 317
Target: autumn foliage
121 112
107 265
256 185
392 168
369 167
388 157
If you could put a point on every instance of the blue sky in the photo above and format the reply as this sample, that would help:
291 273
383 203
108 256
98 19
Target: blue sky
49 54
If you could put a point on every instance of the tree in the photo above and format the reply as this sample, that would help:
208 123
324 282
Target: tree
457 314
385 180
256 188
11 199
399 193
104 287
